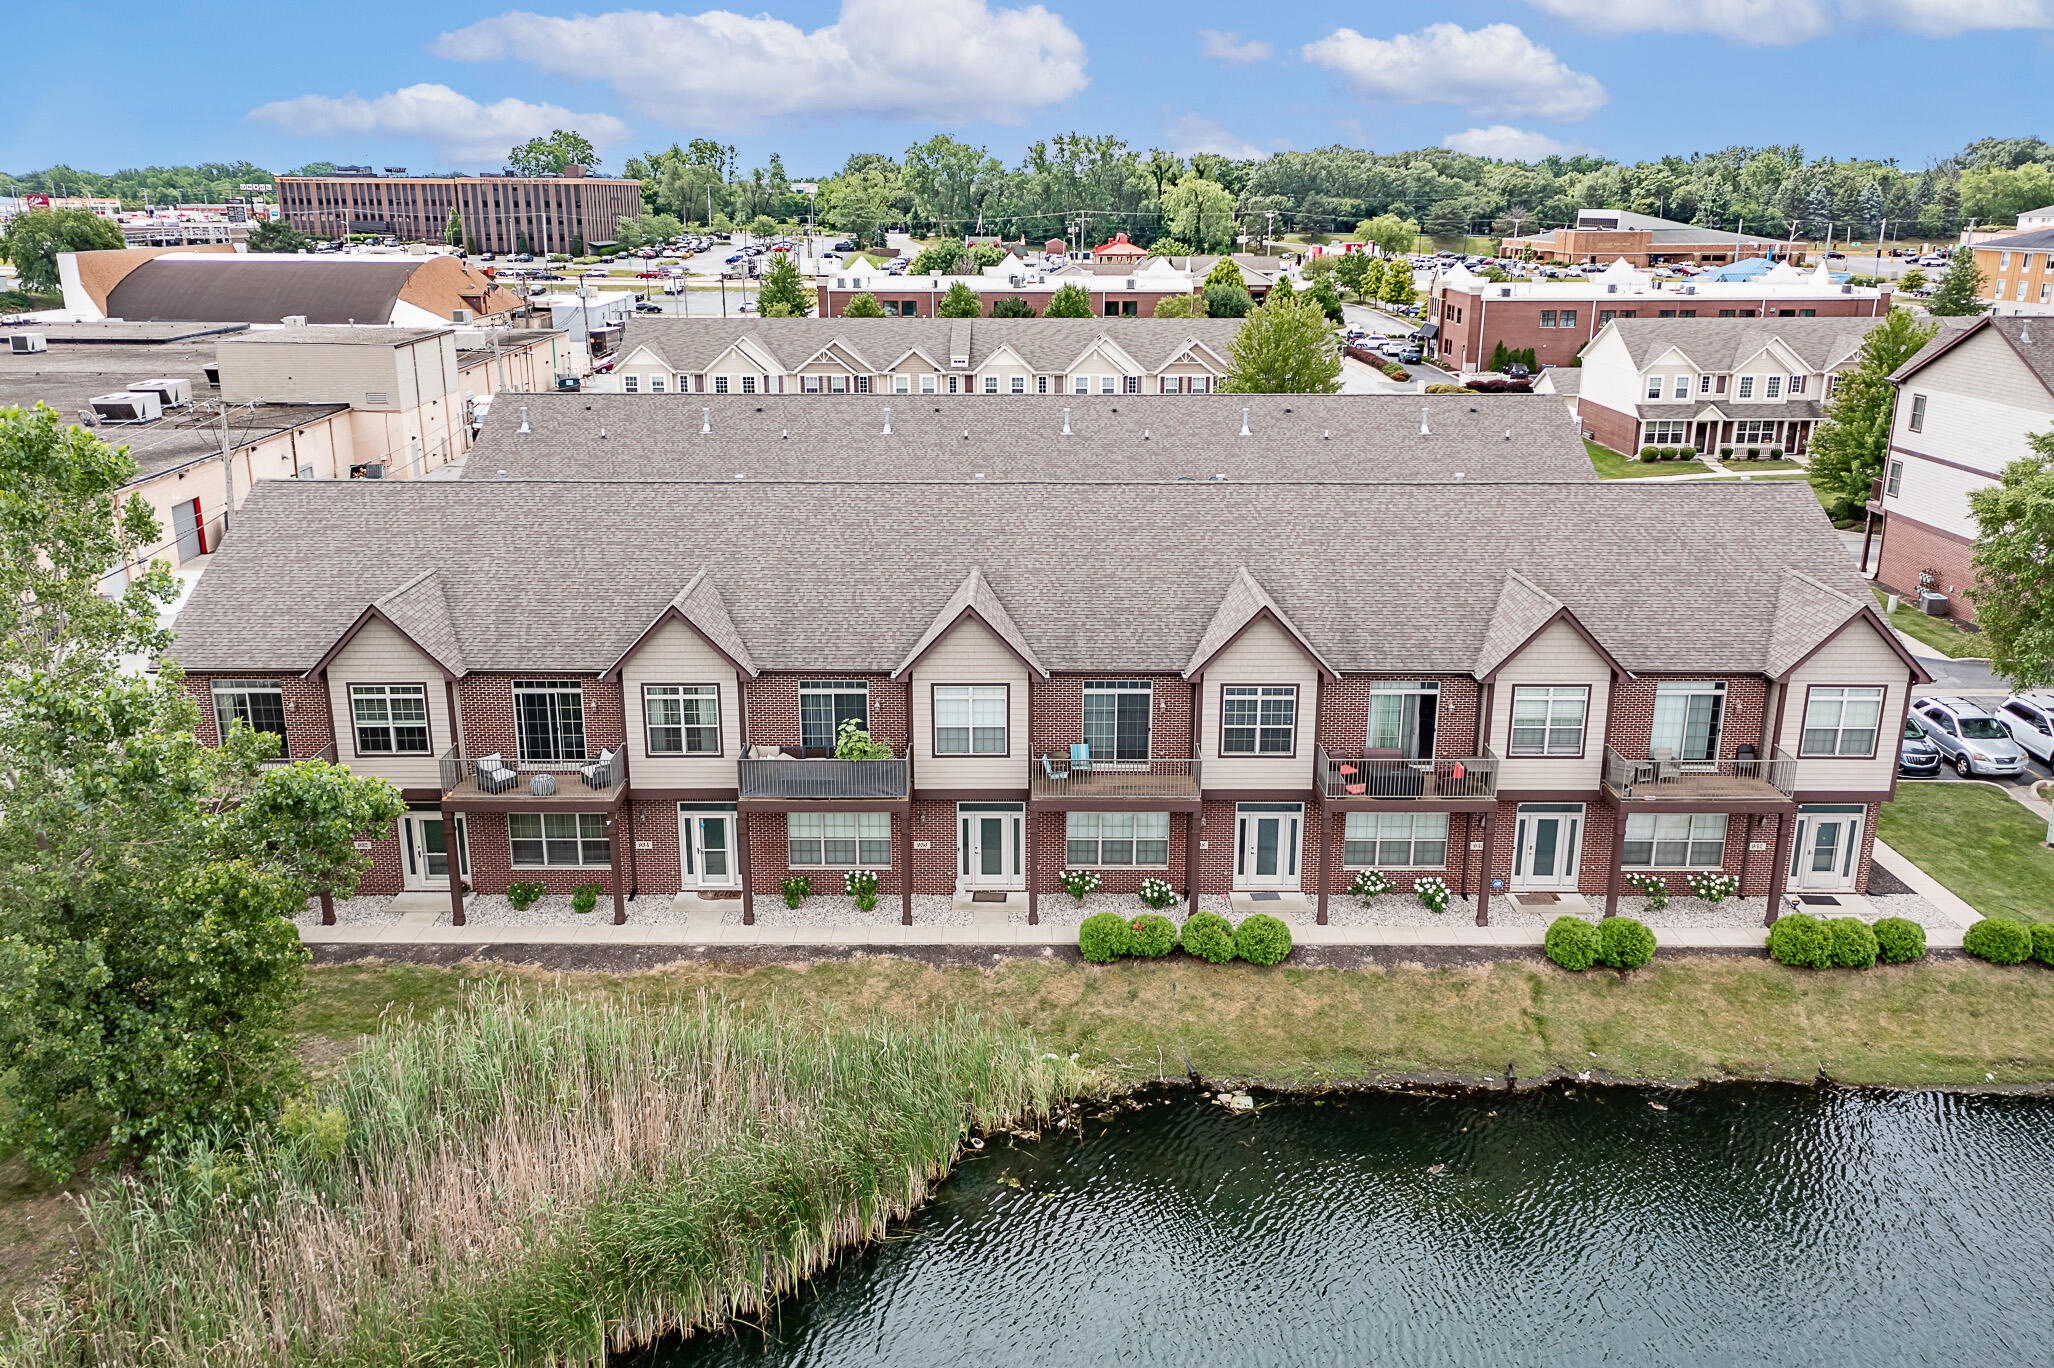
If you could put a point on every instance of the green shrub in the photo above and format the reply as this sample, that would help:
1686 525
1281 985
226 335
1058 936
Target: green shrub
1725 453
1370 883
1572 943
1775 453
1899 940
1851 943
2043 942
1998 940
1104 937
1668 453
1713 888
522 893
1624 943
1151 935
1650 453
1653 887
584 898
1262 939
1081 883
1209 936
797 888
1799 940
1433 892
1158 894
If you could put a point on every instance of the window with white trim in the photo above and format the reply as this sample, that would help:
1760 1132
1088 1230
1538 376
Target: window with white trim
1704 384
391 719
720 384
1918 413
824 704
1682 387
656 384
1258 719
855 840
1080 384
809 384
1654 387
1895 480
257 702
1116 718
1107 384
549 717
1116 838
969 719
1668 432
1747 387
1796 384
838 384
1687 718
1753 430
991 384
1395 840
929 384
682 719
574 839
1019 384
1841 721
1133 385
1678 840
1041 384
1773 387
902 384
630 383
1547 719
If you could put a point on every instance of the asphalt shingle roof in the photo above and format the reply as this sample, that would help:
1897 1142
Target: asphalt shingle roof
1046 344
1722 344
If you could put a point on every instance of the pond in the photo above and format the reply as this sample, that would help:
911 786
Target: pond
1569 1225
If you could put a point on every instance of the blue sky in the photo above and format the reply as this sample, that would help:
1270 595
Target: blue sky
450 86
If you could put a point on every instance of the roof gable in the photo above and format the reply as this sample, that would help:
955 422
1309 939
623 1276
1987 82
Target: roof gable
975 598
419 611
1241 606
699 606
1809 614
1524 611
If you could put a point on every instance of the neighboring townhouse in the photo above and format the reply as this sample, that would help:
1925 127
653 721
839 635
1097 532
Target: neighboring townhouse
1724 385
641 683
1132 294
2018 272
1966 405
2043 217
1639 240
1467 316
1005 356
1259 439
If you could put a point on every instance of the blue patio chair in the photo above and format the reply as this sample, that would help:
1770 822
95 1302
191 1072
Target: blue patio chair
1080 757
1054 775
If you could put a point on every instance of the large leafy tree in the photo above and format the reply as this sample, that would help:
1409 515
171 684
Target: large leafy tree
1226 271
863 304
1201 212
1285 347
276 235
1228 301
147 959
1180 306
959 302
453 231
784 294
33 240
2014 588
1847 449
1955 295
1390 232
549 156
1071 301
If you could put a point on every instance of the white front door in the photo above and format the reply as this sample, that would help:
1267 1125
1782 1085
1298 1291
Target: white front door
991 843
1826 850
424 851
1267 838
706 845
1546 843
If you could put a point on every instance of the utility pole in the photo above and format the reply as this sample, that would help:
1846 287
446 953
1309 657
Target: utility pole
227 474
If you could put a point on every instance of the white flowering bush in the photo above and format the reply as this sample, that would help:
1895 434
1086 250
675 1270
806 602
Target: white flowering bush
862 886
1081 883
1433 892
1653 887
1370 883
1713 888
1157 893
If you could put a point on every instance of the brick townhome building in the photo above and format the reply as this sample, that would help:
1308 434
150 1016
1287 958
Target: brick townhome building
638 683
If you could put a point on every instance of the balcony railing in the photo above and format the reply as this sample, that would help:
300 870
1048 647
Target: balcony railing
1440 777
326 753
1665 779
802 779
1113 781
599 775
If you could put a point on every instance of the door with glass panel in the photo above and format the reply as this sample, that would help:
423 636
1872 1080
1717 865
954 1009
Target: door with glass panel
1687 719
424 851
706 846
1266 852
1547 840
991 845
1825 852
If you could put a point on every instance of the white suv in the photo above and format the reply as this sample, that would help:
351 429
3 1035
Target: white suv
2030 719
1976 742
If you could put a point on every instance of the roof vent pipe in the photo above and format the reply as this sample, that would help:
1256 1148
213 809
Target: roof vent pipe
501 473
1244 423
705 421
1508 434
1424 430
785 434
602 434
1144 434
887 422
1458 477
524 419
1066 422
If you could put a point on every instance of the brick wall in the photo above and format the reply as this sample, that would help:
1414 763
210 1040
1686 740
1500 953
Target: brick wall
1630 722
772 704
1048 830
308 724
486 702
492 866
1910 548
1609 427
768 862
1055 717
1344 714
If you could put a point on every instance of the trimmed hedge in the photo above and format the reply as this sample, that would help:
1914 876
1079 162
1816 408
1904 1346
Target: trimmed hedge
1799 940
1852 944
1209 936
1572 943
1151 935
1624 943
1105 936
1998 940
1262 939
1899 940
2043 942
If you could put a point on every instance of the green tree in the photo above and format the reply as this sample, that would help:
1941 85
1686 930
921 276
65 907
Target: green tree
1352 270
549 156
1397 285
35 237
1847 450
1012 306
783 293
1955 295
276 235
1180 306
1227 301
946 257
1285 347
1225 272
1912 280
453 231
1327 296
1169 247
2014 588
1201 212
959 302
1071 301
148 881
863 304
521 241
1393 234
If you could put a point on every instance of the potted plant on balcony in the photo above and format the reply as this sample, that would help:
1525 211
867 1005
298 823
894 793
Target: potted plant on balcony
852 742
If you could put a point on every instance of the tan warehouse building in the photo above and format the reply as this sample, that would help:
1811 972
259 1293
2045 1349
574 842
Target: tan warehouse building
499 213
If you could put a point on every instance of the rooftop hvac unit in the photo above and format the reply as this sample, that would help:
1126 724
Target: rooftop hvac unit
1504 292
294 320
1847 289
174 391
1611 289
128 407
21 344
375 470
1690 289
459 315
567 382
213 373
1130 282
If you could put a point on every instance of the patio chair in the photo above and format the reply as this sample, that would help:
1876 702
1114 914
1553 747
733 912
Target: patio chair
1080 757
599 774
1054 775
495 775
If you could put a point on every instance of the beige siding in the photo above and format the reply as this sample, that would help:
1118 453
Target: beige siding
1982 406
970 654
676 654
1557 656
1264 654
380 655
1860 657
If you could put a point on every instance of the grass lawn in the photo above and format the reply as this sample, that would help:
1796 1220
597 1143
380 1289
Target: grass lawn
1741 467
1983 846
1610 465
1944 635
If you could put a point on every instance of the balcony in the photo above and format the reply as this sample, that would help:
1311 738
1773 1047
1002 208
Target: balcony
326 753
1131 783
502 780
1372 778
1664 779
786 778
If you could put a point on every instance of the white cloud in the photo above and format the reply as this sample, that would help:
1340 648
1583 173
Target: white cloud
457 126
1494 70
1940 18
1778 23
1507 143
1195 133
952 61
1231 47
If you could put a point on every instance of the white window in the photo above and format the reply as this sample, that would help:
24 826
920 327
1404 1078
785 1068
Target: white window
577 839
1747 387
549 716
1774 388
391 719
1116 838
991 384
720 384
970 719
928 384
1107 384
1752 430
902 384
1704 384
1668 432
1395 840
2021 291
748 384
953 380
824 704
1132 385
1918 413
1548 719
1019 384
1654 387
1041 384
1402 714
809 384
682 719
1687 719
839 384
258 702
1694 840
1258 719
630 383
1682 388
1080 384
1895 480
859 840
1797 384
1841 721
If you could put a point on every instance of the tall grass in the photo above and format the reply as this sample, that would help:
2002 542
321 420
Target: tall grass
534 1180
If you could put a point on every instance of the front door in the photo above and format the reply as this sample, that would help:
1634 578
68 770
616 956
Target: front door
1826 850
706 844
991 844
1266 845
1546 843
424 851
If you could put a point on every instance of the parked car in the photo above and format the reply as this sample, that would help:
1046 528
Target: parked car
1517 371
1411 355
2030 719
647 307
1971 738
1916 754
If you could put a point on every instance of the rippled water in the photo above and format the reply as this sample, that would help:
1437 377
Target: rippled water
1582 1226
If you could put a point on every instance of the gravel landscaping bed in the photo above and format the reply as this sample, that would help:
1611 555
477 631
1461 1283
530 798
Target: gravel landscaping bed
1060 909
1392 909
839 909
348 911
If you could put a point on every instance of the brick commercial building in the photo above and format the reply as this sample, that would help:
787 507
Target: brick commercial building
1639 240
499 213
1467 316
2018 272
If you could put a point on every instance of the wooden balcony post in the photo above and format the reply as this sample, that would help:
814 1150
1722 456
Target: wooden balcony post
1033 822
906 859
1779 870
1326 846
1618 856
742 855
1191 820
455 863
618 833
